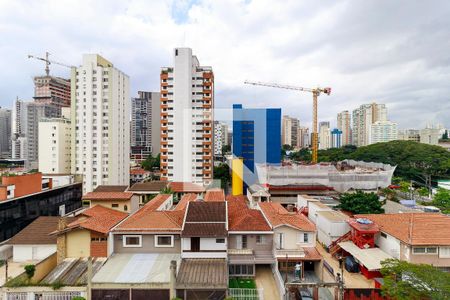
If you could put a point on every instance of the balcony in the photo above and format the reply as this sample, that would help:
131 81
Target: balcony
250 256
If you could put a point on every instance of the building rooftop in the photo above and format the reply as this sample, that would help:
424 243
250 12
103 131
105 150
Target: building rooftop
111 188
215 195
149 186
156 202
199 211
97 218
73 271
414 228
185 200
200 273
37 233
279 216
108 196
242 218
334 216
186 187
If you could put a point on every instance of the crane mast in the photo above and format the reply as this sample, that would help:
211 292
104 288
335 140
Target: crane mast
316 93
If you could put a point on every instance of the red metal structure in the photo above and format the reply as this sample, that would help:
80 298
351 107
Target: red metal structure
363 232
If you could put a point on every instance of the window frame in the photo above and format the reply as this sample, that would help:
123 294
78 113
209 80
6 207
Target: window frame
124 241
426 251
262 239
157 245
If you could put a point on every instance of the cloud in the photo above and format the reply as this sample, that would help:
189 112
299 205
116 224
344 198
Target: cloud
393 52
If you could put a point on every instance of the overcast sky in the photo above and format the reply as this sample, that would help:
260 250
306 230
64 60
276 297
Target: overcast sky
393 52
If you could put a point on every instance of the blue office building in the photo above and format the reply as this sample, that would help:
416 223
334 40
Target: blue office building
256 138
336 138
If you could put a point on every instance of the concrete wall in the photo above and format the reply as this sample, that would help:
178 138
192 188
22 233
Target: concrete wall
78 243
148 245
25 184
109 203
431 259
42 269
32 252
328 231
251 242
313 208
388 244
292 238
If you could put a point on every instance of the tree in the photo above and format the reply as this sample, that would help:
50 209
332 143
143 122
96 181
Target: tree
403 280
301 155
226 149
442 200
151 163
361 203
166 190
222 172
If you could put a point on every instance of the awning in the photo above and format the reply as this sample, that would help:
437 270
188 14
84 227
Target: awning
203 274
370 258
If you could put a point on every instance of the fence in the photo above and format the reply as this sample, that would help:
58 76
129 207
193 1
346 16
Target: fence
278 280
246 294
55 295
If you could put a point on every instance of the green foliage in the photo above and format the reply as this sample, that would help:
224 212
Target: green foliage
82 298
442 200
151 163
223 173
29 270
301 155
57 285
166 190
361 203
403 280
226 149
423 191
404 186
389 194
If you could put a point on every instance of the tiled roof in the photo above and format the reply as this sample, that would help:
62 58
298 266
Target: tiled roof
156 202
186 187
37 233
242 218
200 211
149 186
138 172
204 230
98 218
278 215
185 200
202 273
414 228
111 188
108 196
215 195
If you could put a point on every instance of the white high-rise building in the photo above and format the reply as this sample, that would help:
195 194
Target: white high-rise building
289 131
303 137
363 118
383 131
324 135
5 133
54 144
220 137
19 149
344 125
100 119
187 103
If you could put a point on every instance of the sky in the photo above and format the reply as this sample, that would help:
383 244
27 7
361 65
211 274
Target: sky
392 52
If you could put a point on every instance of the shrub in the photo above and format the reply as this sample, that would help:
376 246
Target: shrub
29 270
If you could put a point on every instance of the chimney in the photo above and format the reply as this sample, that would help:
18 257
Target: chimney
61 241
173 278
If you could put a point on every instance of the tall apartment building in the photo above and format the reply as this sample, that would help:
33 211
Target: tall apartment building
383 131
303 137
324 135
409 135
19 148
54 144
363 118
220 137
187 103
145 125
52 90
336 138
344 125
289 131
100 120
430 135
5 133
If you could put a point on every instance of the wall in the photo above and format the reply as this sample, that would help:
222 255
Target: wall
313 208
42 269
99 248
25 252
208 248
78 243
25 184
291 238
328 231
108 204
251 242
431 259
388 244
148 245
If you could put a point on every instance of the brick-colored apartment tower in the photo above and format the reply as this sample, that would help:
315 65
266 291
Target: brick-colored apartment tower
187 103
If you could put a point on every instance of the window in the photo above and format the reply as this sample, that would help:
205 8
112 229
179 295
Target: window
383 235
425 250
220 241
130 241
260 239
305 238
241 270
114 205
163 241
86 203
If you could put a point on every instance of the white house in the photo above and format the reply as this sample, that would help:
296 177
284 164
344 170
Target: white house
331 225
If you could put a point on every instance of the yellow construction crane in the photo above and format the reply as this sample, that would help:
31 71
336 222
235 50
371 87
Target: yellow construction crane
316 93
48 62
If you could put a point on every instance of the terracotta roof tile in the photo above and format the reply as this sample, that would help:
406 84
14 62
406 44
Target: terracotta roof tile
414 228
204 230
139 171
111 188
149 186
185 200
156 202
278 215
108 196
200 211
98 218
186 187
242 218
37 233
215 195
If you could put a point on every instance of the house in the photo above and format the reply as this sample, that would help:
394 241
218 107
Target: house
139 174
181 188
294 239
331 225
120 201
87 234
250 238
414 237
34 242
147 190
181 205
